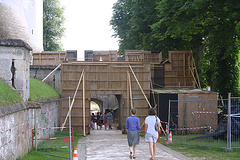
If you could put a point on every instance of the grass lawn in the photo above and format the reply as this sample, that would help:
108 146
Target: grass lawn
7 95
207 153
45 148
40 90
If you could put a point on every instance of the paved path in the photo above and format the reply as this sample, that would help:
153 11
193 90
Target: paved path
112 145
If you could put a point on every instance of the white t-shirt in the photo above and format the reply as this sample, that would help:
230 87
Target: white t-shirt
150 121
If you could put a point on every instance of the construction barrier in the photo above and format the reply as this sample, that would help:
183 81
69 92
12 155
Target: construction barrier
65 139
160 132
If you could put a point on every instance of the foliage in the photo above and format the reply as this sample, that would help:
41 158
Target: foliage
40 90
212 24
209 28
7 95
53 20
131 22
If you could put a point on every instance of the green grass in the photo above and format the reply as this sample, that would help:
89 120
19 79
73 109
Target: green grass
44 148
39 90
7 95
196 152
206 153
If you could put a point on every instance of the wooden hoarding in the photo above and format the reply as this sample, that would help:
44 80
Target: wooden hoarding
104 78
52 58
198 110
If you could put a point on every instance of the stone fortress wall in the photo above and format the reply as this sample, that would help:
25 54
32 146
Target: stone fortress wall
17 122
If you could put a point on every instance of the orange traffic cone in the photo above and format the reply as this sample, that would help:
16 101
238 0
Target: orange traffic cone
75 155
170 137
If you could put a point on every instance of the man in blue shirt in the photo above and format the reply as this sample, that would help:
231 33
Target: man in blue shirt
133 126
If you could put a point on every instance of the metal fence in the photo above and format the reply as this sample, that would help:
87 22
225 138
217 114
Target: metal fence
208 123
38 132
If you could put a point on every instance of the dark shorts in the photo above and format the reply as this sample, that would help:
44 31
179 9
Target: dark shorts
133 138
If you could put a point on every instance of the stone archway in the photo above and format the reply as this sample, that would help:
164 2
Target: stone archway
98 102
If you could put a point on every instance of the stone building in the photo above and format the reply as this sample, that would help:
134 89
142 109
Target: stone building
15 59
22 19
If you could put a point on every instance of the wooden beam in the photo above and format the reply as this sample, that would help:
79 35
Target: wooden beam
139 86
80 79
51 72
194 77
128 93
130 89
39 61
194 65
84 114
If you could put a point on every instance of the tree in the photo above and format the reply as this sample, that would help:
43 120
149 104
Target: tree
131 22
212 27
208 27
53 20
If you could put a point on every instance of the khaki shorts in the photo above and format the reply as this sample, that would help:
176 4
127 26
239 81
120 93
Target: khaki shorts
151 138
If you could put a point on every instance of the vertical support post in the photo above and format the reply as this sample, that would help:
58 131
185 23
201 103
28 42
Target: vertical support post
229 124
130 89
59 58
127 93
184 73
169 110
84 126
70 127
35 127
39 61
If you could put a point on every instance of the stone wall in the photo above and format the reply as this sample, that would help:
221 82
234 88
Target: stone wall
40 72
16 124
15 59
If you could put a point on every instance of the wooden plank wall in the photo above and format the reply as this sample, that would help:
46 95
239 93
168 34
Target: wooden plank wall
179 72
143 56
104 78
52 58
188 108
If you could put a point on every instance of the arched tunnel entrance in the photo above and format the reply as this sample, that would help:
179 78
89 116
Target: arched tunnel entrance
107 102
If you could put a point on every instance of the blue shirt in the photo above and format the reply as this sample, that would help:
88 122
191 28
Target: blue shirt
133 124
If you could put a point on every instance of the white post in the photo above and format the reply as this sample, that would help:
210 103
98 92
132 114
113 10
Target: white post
70 127
229 124
35 127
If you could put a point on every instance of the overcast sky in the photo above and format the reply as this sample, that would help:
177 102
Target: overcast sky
88 25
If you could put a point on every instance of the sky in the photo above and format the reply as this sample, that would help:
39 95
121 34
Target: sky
88 25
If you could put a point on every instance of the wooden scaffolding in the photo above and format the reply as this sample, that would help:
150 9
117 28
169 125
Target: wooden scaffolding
50 58
123 79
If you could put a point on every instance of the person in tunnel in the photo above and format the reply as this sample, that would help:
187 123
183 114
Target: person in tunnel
133 126
109 119
92 121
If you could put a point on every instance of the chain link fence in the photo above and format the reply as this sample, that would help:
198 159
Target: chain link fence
208 123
